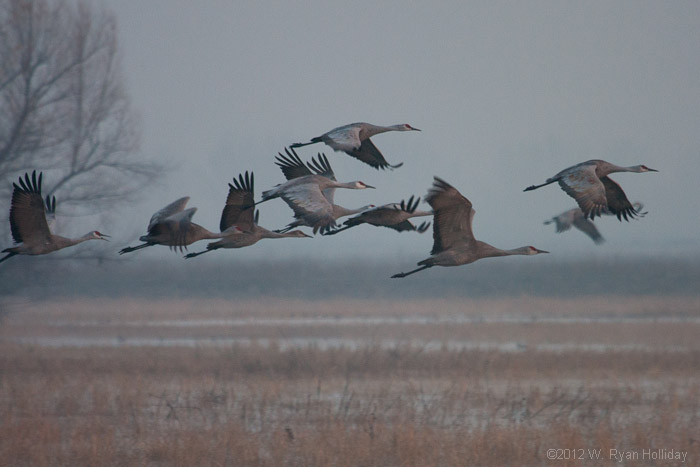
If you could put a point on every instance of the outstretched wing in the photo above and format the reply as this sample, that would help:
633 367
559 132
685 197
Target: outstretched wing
618 204
27 213
321 166
240 204
452 222
581 183
169 210
291 165
51 212
587 227
369 154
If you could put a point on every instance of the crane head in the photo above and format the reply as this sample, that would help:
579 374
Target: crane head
99 236
644 168
407 127
362 185
531 250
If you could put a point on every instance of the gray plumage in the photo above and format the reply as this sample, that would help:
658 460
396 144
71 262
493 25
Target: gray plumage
309 192
394 216
588 183
31 220
453 240
575 218
172 226
354 140
239 219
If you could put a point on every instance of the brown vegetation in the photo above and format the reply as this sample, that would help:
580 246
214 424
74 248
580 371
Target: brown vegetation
374 403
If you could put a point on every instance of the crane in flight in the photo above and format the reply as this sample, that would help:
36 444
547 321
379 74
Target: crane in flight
394 216
292 167
588 183
31 220
574 217
453 240
239 226
354 140
308 195
172 226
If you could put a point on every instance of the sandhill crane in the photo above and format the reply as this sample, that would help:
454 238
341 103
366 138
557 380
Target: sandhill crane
588 183
308 198
172 226
394 216
574 217
239 227
30 218
292 167
354 140
453 241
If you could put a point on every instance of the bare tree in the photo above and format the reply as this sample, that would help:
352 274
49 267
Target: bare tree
63 107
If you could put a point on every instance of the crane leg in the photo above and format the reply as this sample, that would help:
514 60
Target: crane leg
129 249
534 187
8 256
333 232
299 145
192 255
404 274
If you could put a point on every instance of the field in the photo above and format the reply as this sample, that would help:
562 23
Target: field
214 382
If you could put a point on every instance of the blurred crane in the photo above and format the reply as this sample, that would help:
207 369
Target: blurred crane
172 226
308 195
239 227
453 241
588 183
574 217
354 140
30 219
394 216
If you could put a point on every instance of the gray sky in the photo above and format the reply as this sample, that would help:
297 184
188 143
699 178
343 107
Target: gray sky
506 93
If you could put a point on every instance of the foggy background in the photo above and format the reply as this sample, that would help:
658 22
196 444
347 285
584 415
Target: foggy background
507 94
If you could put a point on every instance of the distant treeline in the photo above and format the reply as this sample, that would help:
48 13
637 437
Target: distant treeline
315 280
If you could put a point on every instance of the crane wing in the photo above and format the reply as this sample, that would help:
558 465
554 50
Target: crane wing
323 168
291 165
175 226
565 220
618 204
587 227
581 183
452 221
309 204
369 154
240 204
27 212
344 138
169 210
51 213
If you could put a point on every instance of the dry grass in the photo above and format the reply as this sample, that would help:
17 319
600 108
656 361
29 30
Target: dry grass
369 404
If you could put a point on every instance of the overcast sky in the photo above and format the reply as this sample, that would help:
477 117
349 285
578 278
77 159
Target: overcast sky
506 93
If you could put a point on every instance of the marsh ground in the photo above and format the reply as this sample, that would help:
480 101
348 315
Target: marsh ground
488 381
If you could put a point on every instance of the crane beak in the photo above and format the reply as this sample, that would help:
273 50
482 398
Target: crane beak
104 237
541 251
415 129
652 170
369 186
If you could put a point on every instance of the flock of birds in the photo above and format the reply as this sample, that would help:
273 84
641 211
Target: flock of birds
309 192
